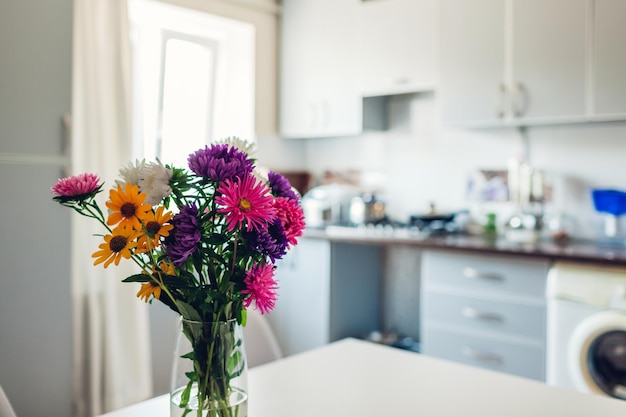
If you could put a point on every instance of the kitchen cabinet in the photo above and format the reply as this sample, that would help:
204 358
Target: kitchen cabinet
485 311
515 62
609 60
319 91
397 40
328 291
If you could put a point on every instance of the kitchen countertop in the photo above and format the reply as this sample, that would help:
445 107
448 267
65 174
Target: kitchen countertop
574 250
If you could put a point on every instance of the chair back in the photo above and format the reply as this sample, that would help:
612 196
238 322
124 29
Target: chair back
5 406
261 343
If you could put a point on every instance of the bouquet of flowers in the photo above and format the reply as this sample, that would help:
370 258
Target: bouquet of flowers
205 239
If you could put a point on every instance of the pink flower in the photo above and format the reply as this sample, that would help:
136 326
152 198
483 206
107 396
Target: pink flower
77 185
262 287
245 200
291 216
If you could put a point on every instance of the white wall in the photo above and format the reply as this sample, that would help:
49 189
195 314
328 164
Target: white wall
421 161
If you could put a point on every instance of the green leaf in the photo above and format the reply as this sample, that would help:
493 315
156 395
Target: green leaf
138 278
184 397
188 312
189 355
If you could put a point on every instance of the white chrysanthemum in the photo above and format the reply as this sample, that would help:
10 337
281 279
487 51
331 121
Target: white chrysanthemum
155 182
249 148
132 173
261 174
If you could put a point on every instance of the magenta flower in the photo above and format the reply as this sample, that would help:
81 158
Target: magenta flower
245 200
76 188
261 287
291 216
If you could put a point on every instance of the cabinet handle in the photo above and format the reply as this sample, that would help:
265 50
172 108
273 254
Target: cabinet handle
519 101
500 93
472 313
479 356
472 273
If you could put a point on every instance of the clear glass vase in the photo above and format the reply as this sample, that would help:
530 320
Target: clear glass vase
209 370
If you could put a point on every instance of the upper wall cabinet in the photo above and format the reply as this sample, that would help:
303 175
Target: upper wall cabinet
609 59
397 40
532 62
319 91
335 52
513 62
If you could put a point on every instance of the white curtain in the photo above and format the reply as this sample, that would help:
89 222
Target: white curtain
111 335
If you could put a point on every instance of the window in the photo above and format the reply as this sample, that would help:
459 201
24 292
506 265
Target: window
193 80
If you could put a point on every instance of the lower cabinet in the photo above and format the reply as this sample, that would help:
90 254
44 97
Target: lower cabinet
327 291
485 311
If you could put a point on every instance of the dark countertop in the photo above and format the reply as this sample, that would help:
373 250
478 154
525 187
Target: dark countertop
586 251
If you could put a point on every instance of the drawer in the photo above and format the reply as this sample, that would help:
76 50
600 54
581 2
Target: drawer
485 272
473 313
488 353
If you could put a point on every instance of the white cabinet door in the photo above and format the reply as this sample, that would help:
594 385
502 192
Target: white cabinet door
472 61
397 46
511 63
548 53
301 318
319 95
610 58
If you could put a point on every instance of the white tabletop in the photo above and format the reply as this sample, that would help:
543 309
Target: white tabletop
356 378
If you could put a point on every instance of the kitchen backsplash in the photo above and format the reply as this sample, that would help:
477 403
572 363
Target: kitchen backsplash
417 161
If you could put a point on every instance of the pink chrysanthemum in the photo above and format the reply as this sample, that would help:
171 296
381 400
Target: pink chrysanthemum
77 185
291 216
245 200
261 286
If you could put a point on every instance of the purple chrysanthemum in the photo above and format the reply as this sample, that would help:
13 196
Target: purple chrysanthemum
272 242
220 162
182 241
280 186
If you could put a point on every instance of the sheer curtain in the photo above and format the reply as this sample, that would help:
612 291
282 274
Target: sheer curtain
111 334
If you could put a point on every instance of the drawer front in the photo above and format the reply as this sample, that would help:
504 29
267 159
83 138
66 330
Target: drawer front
485 272
472 313
487 353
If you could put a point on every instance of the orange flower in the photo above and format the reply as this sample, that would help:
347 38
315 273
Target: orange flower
116 246
153 288
148 289
127 206
155 226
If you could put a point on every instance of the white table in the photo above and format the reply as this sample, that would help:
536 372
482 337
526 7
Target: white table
361 379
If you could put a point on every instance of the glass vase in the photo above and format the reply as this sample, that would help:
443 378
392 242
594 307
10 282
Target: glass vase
209 370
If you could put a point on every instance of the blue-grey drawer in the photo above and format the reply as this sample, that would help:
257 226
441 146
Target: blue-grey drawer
485 315
485 272
497 355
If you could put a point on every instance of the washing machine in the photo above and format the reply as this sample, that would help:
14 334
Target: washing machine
586 328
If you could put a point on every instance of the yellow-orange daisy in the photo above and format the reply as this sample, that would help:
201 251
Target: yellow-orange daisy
127 206
155 226
148 289
152 287
116 246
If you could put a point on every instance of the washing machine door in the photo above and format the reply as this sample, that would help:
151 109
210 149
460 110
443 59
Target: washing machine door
597 354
